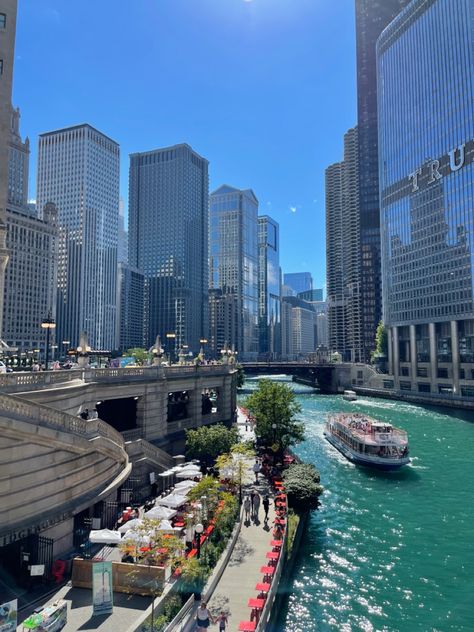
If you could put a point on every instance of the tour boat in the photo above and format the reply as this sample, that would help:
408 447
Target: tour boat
349 396
366 441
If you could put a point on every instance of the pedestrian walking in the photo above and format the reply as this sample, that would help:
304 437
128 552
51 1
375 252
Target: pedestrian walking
203 617
266 506
222 620
256 505
247 508
256 468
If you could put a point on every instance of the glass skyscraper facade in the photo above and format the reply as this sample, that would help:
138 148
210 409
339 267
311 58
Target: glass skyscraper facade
78 171
426 150
234 261
298 281
168 242
372 16
269 293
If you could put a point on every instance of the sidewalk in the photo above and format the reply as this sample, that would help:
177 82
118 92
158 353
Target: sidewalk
242 573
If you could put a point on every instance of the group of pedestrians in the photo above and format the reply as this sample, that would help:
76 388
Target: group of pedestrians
204 618
252 506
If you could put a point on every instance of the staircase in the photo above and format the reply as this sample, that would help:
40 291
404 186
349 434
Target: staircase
52 464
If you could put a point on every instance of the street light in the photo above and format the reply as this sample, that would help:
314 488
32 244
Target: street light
202 342
171 336
48 324
65 344
198 530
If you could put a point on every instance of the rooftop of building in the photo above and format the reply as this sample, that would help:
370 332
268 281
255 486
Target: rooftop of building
224 189
169 148
73 127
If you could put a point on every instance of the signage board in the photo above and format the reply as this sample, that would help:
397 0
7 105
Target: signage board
8 616
102 591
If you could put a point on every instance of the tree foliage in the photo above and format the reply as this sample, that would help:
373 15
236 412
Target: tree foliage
240 376
274 408
208 442
302 486
381 340
140 355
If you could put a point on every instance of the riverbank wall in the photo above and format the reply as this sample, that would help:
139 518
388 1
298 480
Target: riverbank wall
426 399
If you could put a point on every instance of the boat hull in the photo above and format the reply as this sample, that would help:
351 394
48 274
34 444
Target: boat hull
378 463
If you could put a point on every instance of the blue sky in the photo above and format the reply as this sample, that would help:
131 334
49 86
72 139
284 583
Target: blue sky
264 89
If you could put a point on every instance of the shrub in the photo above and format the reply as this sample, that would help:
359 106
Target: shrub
302 487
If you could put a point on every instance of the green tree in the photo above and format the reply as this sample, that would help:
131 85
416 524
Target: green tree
141 355
302 487
207 442
381 340
234 464
240 376
274 408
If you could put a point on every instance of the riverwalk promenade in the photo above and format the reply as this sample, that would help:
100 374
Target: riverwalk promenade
232 593
242 573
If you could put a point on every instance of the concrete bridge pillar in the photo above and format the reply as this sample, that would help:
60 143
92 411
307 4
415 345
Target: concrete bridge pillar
152 409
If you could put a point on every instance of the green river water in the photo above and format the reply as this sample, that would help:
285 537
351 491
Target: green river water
387 551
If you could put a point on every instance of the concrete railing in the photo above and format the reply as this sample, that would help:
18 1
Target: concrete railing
44 415
40 379
28 381
140 448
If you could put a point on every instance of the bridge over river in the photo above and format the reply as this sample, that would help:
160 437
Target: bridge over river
328 377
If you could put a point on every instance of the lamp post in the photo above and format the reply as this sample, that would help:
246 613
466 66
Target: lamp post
53 349
202 342
171 336
48 324
198 530
65 344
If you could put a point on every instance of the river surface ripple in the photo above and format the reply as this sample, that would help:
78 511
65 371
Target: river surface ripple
387 551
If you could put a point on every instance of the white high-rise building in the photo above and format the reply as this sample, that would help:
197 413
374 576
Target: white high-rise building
78 170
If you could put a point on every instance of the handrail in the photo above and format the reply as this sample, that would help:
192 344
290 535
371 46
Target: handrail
46 379
58 419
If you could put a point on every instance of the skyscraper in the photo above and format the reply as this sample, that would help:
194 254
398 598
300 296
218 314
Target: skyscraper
426 148
343 254
234 261
168 241
32 243
372 16
269 294
18 165
8 10
78 170
298 281
130 299
30 278
122 251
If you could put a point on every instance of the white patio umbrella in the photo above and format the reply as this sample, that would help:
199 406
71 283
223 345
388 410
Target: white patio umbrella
161 513
105 536
172 500
189 474
138 538
130 524
185 485
165 525
166 473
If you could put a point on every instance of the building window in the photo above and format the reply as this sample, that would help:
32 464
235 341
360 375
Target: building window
405 386
445 389
467 391
405 371
3 20
422 371
388 383
424 388
442 372
1 66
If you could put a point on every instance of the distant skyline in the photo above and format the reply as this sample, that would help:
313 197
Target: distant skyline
264 89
